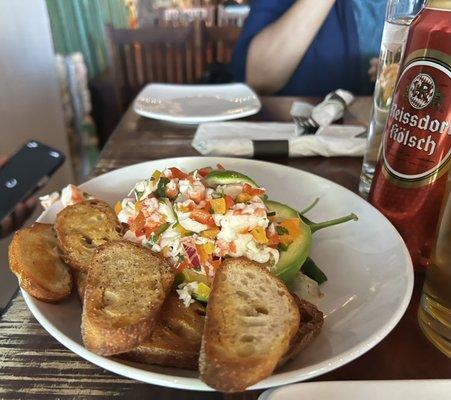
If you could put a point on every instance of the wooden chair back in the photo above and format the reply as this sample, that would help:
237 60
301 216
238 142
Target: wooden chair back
185 16
151 54
232 15
218 43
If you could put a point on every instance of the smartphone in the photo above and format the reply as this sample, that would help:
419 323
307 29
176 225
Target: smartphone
26 172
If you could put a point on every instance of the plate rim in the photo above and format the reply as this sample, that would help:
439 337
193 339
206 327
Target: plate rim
287 377
197 120
267 394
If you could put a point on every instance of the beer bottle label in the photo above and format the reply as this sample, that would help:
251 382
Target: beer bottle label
416 149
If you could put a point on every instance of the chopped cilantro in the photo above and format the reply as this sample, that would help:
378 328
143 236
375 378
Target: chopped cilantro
282 247
281 230
138 194
161 188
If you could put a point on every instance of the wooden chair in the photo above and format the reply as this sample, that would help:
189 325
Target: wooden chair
232 15
218 43
151 54
185 16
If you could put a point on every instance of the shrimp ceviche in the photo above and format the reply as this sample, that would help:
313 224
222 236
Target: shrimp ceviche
197 219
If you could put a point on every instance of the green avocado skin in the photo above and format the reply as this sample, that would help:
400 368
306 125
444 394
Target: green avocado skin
291 260
227 177
200 298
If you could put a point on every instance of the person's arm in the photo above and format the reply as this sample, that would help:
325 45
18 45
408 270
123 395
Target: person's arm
275 52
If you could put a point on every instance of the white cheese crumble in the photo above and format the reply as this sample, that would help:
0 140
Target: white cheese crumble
49 199
185 292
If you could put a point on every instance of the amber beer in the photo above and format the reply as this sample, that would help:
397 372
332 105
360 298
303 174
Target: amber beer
415 157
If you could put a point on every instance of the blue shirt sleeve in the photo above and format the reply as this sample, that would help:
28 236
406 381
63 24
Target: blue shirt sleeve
332 61
262 14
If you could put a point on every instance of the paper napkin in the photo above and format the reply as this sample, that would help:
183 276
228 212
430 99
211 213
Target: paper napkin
266 139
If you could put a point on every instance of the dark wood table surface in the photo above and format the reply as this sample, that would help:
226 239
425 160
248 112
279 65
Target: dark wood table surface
34 365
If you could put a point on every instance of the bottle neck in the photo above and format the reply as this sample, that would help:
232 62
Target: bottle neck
441 4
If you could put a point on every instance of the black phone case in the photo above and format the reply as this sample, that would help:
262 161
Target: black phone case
25 172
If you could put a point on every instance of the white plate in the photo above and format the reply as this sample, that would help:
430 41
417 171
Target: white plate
368 266
194 104
427 389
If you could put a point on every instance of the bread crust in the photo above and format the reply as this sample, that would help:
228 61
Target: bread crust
310 326
83 226
34 259
219 367
107 334
80 279
175 341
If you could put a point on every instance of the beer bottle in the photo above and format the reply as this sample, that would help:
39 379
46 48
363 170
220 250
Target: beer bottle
415 157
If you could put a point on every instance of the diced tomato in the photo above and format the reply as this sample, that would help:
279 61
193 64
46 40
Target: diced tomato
76 195
216 263
138 223
252 191
219 166
203 217
229 202
273 240
148 230
177 173
204 206
203 172
182 265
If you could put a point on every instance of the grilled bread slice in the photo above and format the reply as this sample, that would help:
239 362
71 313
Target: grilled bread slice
310 326
250 322
125 289
175 341
82 227
80 279
33 258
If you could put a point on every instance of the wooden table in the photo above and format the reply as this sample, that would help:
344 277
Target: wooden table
34 365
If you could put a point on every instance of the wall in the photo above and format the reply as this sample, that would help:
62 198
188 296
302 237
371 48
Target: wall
29 94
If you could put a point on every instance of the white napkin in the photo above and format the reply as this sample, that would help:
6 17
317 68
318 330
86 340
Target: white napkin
237 139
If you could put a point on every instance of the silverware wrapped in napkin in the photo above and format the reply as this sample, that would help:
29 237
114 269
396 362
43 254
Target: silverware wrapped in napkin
270 139
309 119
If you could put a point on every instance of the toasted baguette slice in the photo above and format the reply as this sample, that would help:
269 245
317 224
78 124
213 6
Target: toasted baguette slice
82 227
33 258
310 326
175 341
251 320
125 289
80 279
